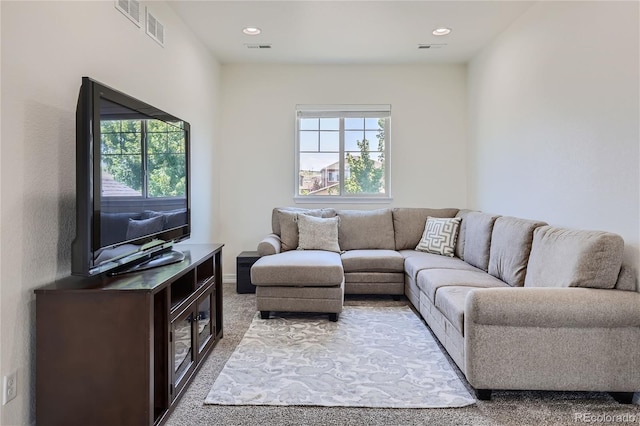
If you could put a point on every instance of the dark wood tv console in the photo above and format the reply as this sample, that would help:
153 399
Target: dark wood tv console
120 350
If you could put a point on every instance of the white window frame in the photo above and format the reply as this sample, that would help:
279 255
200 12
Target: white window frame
344 111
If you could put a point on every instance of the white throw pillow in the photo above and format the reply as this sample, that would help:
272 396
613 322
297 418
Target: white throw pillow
317 233
440 235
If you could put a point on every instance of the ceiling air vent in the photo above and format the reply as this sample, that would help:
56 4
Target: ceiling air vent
431 46
155 28
130 9
258 46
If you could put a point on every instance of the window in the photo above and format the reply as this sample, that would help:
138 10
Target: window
143 158
342 153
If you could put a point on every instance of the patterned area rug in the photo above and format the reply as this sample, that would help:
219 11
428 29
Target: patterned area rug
372 357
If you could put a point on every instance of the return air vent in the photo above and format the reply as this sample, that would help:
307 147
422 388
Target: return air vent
155 28
431 46
258 46
130 9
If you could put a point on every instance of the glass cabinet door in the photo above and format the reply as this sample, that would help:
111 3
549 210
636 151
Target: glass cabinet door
206 321
183 351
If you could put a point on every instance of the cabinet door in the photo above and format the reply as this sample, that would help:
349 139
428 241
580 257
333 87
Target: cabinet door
183 348
206 317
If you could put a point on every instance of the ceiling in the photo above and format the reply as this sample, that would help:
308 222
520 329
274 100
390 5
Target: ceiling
347 32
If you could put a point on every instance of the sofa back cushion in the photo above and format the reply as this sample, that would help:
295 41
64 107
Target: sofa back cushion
510 249
574 258
408 224
276 215
289 233
366 229
477 236
462 233
627 279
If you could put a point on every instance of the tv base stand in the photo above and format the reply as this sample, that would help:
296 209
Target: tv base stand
121 350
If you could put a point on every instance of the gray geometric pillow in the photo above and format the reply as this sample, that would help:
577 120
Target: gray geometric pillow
440 236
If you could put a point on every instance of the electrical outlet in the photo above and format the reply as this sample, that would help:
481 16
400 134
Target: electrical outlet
9 387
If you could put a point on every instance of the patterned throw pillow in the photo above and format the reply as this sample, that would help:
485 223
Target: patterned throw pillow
318 233
440 236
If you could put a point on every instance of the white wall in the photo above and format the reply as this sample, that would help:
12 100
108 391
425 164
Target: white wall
46 48
554 119
428 137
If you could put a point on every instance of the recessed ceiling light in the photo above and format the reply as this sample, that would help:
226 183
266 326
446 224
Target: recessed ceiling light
251 30
441 31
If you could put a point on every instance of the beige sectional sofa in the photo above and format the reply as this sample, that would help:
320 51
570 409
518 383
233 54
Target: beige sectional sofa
521 305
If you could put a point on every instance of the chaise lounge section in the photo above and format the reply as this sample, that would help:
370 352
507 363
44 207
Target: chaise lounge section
517 304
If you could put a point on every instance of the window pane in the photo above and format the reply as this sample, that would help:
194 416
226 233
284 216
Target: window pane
176 142
373 139
372 123
351 139
166 175
157 143
121 176
329 124
354 123
319 173
309 123
329 141
156 126
121 147
365 173
309 141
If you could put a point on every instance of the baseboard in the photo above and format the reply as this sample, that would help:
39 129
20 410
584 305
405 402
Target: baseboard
229 278
636 398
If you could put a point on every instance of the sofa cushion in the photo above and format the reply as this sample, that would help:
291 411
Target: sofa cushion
298 268
627 279
478 238
450 302
275 215
574 258
372 261
318 233
114 227
462 232
439 236
510 248
408 224
366 229
430 280
289 232
373 277
416 261
142 227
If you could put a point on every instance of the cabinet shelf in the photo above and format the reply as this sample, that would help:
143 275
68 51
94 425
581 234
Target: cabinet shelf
140 340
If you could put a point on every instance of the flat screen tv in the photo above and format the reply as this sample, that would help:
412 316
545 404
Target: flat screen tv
132 183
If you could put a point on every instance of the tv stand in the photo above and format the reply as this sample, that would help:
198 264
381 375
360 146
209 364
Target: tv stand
162 258
122 349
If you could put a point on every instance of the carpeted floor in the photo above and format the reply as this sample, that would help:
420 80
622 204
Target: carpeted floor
505 408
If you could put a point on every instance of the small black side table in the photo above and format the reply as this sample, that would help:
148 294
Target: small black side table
244 261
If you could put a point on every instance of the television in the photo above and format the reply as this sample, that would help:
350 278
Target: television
132 183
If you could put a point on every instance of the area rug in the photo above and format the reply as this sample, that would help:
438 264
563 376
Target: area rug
380 357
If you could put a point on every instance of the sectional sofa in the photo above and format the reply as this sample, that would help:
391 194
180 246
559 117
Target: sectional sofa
518 304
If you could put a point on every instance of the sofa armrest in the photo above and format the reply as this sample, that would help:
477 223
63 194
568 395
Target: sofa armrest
563 339
553 307
269 245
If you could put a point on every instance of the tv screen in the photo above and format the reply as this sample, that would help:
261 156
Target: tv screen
132 178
